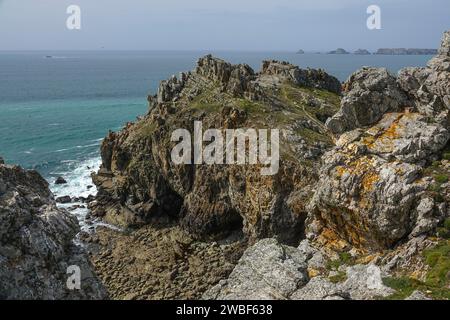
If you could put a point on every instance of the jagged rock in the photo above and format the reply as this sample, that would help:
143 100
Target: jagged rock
267 270
64 199
60 180
428 86
234 78
309 78
369 93
372 193
366 200
36 242
139 183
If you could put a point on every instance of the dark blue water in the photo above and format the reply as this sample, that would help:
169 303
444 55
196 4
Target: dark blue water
55 111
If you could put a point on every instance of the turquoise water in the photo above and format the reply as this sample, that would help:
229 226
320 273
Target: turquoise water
55 111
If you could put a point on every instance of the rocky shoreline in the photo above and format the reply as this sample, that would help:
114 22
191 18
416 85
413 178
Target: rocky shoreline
359 208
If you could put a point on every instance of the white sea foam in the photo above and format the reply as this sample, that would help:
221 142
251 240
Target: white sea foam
79 184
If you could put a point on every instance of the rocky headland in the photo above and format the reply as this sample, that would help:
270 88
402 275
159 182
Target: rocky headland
359 208
404 51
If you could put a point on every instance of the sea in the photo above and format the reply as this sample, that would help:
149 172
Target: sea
56 107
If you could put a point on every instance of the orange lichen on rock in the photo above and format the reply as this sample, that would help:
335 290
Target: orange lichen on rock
369 181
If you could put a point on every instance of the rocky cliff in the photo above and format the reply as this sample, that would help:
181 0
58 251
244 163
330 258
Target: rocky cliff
36 242
138 182
361 193
378 222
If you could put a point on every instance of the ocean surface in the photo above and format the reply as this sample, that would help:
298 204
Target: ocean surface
55 111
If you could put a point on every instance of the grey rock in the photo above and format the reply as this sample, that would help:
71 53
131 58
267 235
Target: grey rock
64 199
284 71
319 288
388 129
267 270
60 180
368 94
374 199
365 282
36 242
418 295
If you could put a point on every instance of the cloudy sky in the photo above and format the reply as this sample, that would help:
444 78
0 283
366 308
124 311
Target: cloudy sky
275 25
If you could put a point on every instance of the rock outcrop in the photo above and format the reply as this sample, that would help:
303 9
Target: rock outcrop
339 51
36 242
377 206
368 94
267 270
270 270
373 189
362 52
404 51
362 183
138 181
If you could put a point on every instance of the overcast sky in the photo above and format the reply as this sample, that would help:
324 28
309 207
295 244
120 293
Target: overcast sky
276 25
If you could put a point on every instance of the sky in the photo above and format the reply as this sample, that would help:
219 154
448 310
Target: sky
240 25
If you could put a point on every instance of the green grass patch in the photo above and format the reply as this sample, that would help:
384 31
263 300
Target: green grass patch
312 136
441 178
437 280
447 223
438 258
251 107
404 287
345 258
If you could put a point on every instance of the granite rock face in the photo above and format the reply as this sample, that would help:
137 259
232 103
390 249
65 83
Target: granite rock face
36 242
270 270
373 191
267 270
369 93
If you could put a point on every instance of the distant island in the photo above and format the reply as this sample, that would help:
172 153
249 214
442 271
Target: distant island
338 51
300 51
362 52
404 51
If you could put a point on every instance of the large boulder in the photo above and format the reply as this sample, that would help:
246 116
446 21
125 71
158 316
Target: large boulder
373 191
368 94
36 242
267 270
